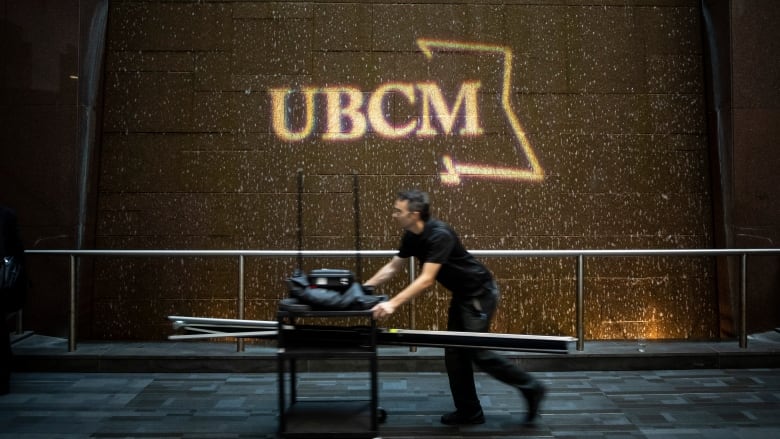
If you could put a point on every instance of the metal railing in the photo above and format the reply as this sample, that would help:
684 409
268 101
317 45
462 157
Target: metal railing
580 256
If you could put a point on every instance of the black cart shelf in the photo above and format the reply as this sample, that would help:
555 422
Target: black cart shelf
332 417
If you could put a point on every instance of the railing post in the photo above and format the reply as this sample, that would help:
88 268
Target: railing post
580 303
743 301
72 306
240 341
412 320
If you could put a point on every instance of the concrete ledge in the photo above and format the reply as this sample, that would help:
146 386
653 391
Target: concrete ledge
46 354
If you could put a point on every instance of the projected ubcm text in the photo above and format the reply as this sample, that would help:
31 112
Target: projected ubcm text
349 117
344 113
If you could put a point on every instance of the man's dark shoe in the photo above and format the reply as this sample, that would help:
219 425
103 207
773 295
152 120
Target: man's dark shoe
458 418
534 396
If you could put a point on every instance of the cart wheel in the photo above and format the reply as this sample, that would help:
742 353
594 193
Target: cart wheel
381 415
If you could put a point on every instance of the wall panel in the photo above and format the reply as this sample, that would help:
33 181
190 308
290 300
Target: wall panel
607 98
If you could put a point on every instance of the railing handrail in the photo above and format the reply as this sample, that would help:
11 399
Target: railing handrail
266 253
579 254
378 253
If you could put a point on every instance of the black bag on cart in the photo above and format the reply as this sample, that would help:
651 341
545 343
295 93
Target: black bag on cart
332 290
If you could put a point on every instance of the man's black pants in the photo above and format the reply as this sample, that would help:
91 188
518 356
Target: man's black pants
473 314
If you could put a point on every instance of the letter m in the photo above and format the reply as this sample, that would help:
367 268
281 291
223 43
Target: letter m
433 100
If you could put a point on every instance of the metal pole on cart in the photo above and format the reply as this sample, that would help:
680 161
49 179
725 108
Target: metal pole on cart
412 320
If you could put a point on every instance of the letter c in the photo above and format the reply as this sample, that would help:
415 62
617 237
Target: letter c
376 114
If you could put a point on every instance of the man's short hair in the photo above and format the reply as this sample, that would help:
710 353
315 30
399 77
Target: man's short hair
419 201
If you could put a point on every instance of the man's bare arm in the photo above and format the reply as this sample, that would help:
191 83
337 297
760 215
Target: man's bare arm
386 273
425 280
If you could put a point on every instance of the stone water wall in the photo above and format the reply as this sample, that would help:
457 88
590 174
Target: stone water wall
534 124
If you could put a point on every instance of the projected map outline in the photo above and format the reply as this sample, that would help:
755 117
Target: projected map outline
347 118
456 171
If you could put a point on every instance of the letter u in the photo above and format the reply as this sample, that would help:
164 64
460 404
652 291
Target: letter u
280 122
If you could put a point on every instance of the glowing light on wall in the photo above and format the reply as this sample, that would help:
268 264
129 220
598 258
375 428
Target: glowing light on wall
279 121
345 120
348 117
454 172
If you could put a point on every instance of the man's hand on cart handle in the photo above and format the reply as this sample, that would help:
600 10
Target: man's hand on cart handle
383 309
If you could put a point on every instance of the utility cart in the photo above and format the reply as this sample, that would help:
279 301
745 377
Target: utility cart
333 417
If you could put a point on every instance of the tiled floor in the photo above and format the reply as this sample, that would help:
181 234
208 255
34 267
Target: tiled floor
685 404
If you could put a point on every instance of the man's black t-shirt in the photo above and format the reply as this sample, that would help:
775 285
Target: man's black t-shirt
460 272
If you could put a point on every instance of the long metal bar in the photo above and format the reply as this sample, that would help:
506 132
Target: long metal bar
256 253
215 328
240 335
580 303
185 321
390 253
509 342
